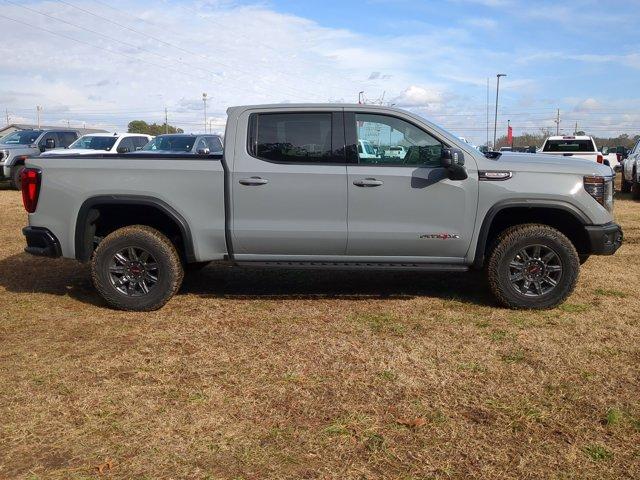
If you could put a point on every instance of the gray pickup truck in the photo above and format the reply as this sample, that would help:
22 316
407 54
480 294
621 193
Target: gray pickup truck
292 189
17 146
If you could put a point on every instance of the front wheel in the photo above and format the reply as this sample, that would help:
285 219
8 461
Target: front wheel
532 266
136 268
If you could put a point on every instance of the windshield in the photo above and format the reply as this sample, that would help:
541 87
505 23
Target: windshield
94 142
568 146
21 137
171 143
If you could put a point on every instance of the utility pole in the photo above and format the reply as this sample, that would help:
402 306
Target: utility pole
6 112
575 132
204 100
166 121
38 110
495 123
487 113
557 122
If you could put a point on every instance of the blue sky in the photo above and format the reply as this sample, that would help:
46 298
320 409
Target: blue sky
86 62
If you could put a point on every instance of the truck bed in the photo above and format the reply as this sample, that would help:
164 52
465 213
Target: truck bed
193 186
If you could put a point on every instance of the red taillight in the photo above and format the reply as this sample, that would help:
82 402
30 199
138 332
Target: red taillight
30 183
600 159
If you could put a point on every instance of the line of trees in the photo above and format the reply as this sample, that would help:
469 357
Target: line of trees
140 126
536 139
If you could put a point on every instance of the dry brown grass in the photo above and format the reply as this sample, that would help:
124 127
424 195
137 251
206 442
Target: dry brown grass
251 375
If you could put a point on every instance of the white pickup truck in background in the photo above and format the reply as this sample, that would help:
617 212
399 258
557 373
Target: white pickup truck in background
576 146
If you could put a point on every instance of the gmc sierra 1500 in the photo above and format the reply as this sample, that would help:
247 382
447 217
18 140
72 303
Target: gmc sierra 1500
291 189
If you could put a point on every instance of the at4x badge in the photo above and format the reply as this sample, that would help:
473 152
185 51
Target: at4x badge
441 236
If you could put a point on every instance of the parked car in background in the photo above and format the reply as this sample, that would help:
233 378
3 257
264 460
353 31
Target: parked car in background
292 191
506 149
576 146
185 143
615 156
104 143
631 173
17 146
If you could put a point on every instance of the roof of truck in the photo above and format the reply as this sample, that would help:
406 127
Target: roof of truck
569 137
285 106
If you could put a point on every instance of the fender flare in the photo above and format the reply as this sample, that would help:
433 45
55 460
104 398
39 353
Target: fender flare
87 215
483 234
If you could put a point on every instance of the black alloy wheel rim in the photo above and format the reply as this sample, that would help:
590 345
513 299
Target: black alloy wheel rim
133 271
535 270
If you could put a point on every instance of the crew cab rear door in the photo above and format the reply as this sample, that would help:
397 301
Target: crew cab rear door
401 202
288 184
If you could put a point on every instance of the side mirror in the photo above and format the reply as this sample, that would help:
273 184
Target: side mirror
203 151
453 160
122 150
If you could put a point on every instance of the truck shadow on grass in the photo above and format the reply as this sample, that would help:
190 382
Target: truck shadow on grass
25 274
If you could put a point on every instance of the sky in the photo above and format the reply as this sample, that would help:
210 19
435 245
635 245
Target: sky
104 63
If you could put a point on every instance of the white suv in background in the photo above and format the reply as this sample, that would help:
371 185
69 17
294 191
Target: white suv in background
111 143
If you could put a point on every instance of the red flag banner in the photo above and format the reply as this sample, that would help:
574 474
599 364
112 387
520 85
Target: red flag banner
510 135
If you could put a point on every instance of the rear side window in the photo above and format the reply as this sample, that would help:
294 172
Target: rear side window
140 142
568 145
67 138
215 145
291 137
127 143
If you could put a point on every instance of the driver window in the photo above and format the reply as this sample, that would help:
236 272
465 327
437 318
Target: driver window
385 140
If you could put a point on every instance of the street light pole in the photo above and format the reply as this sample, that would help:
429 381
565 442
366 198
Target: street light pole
495 122
204 100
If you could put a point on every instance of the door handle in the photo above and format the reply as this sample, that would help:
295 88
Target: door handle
368 182
253 181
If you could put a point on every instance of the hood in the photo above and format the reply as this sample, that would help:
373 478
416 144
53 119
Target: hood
74 151
13 146
536 162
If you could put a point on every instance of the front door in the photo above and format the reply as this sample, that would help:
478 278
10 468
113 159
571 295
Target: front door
289 186
401 202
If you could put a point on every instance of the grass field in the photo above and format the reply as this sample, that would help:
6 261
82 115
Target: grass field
299 375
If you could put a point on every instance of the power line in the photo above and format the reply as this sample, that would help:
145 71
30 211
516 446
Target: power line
214 21
169 44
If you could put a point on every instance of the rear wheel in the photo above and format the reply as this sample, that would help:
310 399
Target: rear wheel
532 266
16 175
136 268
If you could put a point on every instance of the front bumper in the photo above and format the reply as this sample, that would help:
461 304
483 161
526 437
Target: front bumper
604 239
41 242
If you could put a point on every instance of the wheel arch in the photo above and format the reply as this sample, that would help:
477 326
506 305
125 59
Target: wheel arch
564 216
143 210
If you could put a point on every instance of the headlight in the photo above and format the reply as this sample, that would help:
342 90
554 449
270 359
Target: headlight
601 189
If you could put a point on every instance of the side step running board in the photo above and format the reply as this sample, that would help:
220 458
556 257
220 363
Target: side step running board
431 267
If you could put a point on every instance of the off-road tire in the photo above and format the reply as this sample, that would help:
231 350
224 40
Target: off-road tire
16 173
169 275
507 246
